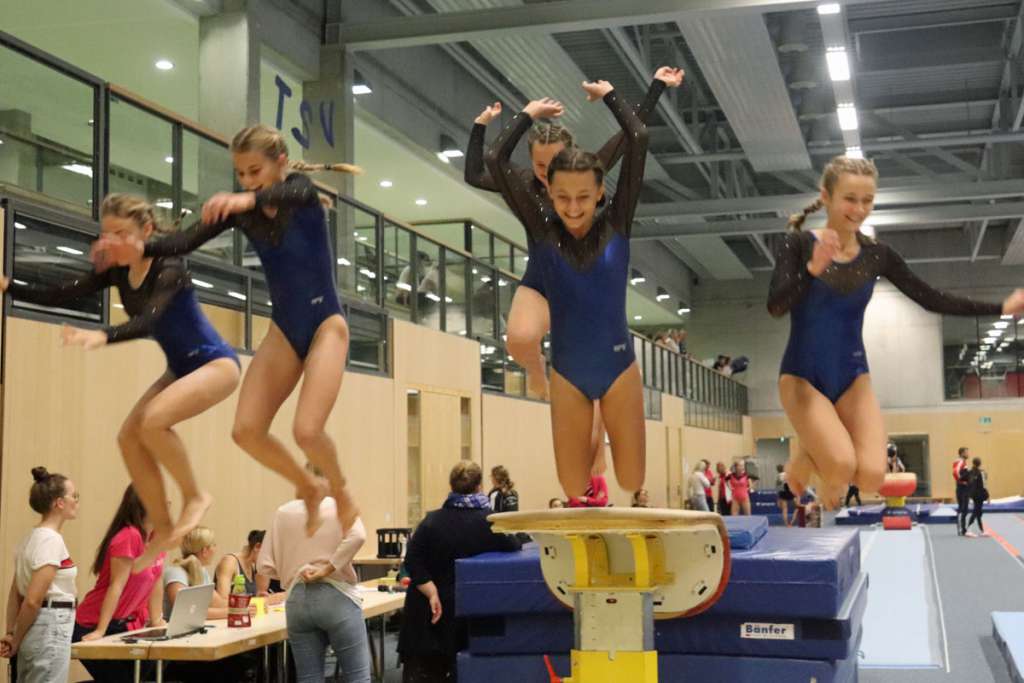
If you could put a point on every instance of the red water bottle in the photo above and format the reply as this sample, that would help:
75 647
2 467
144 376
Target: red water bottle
238 604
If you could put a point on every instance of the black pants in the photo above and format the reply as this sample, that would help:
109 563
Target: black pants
110 670
711 502
428 669
724 508
852 493
979 504
962 503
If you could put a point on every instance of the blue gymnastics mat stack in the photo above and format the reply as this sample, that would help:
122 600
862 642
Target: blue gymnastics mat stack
792 611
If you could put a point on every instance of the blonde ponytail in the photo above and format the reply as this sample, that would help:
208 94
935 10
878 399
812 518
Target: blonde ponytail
796 221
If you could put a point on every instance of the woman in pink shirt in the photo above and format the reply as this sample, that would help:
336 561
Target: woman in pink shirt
739 482
121 601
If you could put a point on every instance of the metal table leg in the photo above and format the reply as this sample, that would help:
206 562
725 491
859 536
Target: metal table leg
159 671
266 664
383 631
138 671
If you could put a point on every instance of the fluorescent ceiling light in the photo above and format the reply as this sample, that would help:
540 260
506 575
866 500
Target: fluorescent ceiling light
847 114
829 8
361 89
202 283
169 159
854 153
638 317
838 64
164 64
80 169
20 226
386 183
421 202
342 261
237 295
70 250
1000 325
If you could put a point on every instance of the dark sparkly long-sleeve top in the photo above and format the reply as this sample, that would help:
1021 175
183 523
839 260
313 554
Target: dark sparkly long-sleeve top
478 175
145 304
791 280
535 211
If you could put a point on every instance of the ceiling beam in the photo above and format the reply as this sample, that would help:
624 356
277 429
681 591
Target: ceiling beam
877 145
921 217
911 194
545 18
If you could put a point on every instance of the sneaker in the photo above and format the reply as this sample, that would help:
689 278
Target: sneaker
970 534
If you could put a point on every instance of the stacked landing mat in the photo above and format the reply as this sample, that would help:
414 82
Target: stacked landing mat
792 612
1008 631
922 513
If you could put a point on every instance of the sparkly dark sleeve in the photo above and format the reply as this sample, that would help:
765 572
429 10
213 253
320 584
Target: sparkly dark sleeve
296 190
790 278
476 173
898 272
631 179
185 241
171 279
62 292
510 181
612 150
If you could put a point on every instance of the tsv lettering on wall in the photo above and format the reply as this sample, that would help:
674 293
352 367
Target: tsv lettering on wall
326 111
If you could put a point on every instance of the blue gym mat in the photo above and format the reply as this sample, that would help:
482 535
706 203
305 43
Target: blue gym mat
789 573
672 668
1008 631
903 625
753 635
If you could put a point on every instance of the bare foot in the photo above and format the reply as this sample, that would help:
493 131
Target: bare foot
163 539
192 513
348 511
537 385
799 470
313 494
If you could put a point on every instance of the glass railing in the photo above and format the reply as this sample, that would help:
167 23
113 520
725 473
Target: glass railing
983 357
455 276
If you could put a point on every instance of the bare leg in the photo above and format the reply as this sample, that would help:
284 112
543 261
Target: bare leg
528 321
272 374
572 419
322 375
822 434
142 466
860 413
181 400
622 408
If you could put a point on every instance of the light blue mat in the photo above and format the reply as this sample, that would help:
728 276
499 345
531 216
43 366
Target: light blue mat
903 625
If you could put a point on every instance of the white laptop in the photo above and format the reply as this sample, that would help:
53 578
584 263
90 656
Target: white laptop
188 615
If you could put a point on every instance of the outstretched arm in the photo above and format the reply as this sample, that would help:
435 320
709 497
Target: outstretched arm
665 77
936 301
476 173
631 180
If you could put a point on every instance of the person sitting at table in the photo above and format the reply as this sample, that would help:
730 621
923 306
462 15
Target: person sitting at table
243 562
431 635
323 602
198 549
121 601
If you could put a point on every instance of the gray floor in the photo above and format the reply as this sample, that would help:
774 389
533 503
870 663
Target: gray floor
976 577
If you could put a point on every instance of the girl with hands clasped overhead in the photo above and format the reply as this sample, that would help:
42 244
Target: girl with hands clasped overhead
582 255
824 279
280 212
202 369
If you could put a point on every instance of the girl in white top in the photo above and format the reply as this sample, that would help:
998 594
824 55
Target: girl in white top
695 490
41 604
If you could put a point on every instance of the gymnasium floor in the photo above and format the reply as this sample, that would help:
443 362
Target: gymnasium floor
975 577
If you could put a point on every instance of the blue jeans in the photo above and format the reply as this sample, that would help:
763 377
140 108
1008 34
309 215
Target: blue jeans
45 651
319 614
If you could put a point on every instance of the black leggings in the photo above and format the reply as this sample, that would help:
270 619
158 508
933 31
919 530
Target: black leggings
111 670
852 492
979 503
963 503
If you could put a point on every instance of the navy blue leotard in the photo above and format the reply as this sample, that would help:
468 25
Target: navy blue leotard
585 278
826 345
295 252
476 175
163 306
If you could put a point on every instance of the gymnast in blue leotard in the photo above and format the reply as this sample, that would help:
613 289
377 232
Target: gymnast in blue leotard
824 280
202 369
280 213
528 318
582 253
